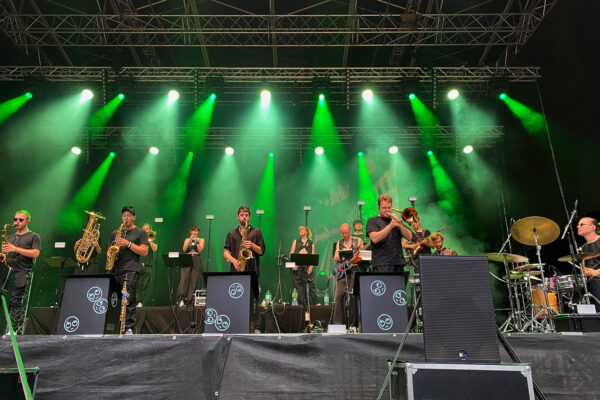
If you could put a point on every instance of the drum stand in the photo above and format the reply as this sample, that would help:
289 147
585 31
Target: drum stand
513 319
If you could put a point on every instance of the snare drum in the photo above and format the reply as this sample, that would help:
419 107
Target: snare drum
537 296
567 283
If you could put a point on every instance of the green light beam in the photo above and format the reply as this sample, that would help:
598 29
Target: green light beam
199 122
100 118
265 200
532 121
449 199
427 121
173 197
9 107
366 188
324 133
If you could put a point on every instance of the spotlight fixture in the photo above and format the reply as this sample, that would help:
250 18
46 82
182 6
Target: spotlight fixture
319 150
367 95
121 96
502 96
112 154
29 95
429 152
453 94
75 150
468 149
393 149
321 87
172 97
360 153
153 150
86 94
229 150
265 99
412 96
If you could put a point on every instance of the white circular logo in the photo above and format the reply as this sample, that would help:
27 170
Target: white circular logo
71 324
94 294
211 316
385 322
378 288
114 299
222 322
100 306
236 290
399 297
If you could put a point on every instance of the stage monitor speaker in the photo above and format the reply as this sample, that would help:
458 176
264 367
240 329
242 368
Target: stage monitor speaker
382 302
458 312
229 297
91 305
10 382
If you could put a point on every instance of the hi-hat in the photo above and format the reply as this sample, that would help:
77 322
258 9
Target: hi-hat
579 257
525 230
511 258
526 267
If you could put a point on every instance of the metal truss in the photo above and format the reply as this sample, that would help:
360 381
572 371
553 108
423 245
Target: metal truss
280 30
297 138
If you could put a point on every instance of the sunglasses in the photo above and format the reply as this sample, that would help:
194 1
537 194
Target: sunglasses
19 219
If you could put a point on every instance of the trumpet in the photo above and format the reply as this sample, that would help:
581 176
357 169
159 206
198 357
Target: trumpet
152 236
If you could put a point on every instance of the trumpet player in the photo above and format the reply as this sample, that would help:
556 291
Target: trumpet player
132 243
146 263
386 232
251 239
190 274
21 250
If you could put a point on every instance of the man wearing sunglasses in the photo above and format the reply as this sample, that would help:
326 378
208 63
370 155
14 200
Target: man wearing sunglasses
21 249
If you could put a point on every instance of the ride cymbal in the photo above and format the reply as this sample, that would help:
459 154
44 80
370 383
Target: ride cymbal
579 257
525 230
511 258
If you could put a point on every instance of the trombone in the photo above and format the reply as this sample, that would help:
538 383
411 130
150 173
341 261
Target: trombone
408 217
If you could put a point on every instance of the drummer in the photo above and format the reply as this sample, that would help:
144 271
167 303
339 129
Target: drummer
589 229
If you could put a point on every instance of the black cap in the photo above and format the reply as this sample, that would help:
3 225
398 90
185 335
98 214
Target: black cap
128 208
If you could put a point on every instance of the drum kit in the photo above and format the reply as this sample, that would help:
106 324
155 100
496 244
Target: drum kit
534 297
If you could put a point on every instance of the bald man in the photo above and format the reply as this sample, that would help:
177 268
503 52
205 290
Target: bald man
589 229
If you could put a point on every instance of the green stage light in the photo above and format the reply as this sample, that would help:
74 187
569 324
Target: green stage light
502 96
172 97
153 150
468 149
121 96
367 95
75 150
321 97
229 151
86 95
112 154
271 154
360 153
453 94
429 153
412 96
29 95
265 99
393 149
319 150
213 96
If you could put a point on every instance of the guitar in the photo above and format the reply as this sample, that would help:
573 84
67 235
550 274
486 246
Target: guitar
340 268
413 253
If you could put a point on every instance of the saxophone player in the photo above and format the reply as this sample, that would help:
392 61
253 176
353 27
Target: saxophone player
21 249
245 239
133 244
146 263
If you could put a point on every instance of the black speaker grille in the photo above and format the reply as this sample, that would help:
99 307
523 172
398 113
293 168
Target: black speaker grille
458 312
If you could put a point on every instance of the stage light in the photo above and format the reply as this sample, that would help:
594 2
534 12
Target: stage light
265 99
229 150
468 149
153 150
429 153
412 96
321 97
271 154
121 96
86 95
29 95
172 97
502 96
319 150
393 149
453 94
367 95
75 150
360 153
213 96
112 154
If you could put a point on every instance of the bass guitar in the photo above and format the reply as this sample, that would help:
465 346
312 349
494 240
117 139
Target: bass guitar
414 253
340 268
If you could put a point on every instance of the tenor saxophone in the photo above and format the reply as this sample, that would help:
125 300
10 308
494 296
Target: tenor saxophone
124 302
113 251
3 257
245 253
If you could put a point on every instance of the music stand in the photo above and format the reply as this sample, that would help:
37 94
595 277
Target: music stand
306 260
172 263
346 254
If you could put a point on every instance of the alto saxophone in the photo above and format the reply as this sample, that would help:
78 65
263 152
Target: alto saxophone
245 253
124 302
113 251
3 256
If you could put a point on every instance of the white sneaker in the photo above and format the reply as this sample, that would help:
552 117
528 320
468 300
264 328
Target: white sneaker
129 332
181 303
139 305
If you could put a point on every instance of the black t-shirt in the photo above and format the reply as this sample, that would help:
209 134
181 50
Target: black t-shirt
389 250
127 260
424 249
593 247
28 240
234 241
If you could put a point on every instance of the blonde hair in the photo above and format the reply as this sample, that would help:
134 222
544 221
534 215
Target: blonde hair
384 197
308 232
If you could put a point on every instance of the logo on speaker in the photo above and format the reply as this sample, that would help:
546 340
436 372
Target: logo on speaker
378 288
236 290
385 322
222 322
71 324
399 297
94 294
210 316
100 306
114 299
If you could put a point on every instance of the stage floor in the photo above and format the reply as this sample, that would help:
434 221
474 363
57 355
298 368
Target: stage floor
269 366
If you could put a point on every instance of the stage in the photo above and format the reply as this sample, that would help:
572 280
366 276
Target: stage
268 366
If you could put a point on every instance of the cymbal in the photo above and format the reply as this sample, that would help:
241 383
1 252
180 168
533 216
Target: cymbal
526 267
514 276
524 230
531 273
579 257
511 258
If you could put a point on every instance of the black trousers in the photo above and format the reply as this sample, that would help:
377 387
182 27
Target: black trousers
132 278
16 296
343 296
188 282
143 281
593 286
301 279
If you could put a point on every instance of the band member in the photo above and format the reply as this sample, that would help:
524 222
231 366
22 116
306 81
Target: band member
91 266
589 229
437 239
421 245
21 249
133 243
345 282
190 274
146 263
358 231
386 232
302 275
249 241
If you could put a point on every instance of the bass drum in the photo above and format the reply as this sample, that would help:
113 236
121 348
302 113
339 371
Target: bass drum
539 301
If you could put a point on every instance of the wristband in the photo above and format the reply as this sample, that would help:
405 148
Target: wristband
129 245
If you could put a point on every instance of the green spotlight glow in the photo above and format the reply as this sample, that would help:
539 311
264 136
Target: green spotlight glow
321 97
271 154
367 95
319 150
366 188
173 197
199 123
121 96
265 99
502 96
75 150
265 200
360 153
393 149
453 94
412 96
468 149
426 120
324 131
449 198
100 117
9 107
213 96
429 153
531 120
29 95
172 97
229 150
153 150
112 154
86 95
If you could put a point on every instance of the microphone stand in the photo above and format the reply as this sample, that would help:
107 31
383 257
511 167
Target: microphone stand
515 314
572 250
